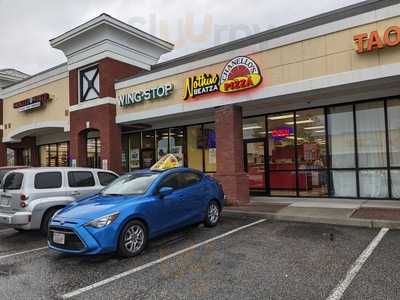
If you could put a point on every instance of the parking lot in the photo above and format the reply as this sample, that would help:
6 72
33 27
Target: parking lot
242 258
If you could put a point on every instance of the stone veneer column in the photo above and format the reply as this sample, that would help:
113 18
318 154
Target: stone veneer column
230 164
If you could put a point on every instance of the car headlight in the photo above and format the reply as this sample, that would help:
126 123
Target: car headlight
103 221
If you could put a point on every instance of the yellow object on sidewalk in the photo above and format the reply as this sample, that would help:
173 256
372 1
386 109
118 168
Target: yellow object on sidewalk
166 162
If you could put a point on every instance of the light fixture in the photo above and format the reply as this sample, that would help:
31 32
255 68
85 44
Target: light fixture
283 117
314 127
319 131
252 127
308 121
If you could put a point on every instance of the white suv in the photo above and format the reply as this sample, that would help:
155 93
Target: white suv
30 197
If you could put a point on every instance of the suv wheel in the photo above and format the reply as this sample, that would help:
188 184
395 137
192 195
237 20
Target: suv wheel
44 227
213 214
133 239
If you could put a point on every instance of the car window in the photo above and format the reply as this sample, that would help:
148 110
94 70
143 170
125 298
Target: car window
13 181
172 180
3 173
48 180
190 178
80 179
106 178
130 184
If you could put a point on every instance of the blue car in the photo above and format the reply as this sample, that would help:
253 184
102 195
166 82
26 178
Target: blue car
135 208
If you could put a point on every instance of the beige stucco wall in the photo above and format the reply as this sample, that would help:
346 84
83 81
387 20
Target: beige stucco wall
326 55
54 111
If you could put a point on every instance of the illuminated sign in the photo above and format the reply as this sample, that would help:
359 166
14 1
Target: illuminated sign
32 103
282 132
369 42
200 85
241 73
161 91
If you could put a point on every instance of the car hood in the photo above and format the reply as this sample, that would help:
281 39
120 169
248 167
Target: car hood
96 206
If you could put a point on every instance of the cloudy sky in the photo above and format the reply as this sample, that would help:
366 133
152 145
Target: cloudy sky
26 26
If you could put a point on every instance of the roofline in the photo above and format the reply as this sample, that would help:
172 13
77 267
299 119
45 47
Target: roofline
107 19
311 22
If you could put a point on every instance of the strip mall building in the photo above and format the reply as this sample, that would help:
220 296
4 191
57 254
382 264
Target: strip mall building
311 109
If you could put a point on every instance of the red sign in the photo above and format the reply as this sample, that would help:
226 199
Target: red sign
32 102
281 132
390 38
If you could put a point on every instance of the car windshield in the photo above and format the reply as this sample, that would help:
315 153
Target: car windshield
130 184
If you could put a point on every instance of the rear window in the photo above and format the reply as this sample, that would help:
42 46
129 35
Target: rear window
106 178
13 181
80 179
48 180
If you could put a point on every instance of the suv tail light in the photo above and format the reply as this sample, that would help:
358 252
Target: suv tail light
24 197
23 204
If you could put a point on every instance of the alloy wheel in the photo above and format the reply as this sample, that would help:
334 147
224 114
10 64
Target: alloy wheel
134 238
213 213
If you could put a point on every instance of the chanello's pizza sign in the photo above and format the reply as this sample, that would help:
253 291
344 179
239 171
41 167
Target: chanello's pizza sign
239 74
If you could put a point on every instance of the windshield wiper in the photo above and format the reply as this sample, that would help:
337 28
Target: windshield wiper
112 195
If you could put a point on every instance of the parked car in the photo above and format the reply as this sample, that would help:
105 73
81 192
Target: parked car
135 208
5 170
30 197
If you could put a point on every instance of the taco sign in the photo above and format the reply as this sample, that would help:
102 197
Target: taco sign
239 74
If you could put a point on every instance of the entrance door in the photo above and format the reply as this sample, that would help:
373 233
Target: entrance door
255 165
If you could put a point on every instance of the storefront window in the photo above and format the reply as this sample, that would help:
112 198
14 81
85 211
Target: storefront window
371 135
395 177
313 183
373 184
281 142
393 113
54 155
27 157
177 144
125 153
210 148
10 157
254 128
343 183
194 146
311 144
341 137
134 151
162 137
148 149
94 152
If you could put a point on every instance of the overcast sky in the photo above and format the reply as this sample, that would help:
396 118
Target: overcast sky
26 26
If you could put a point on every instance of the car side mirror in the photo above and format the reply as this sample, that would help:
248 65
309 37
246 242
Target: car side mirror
165 191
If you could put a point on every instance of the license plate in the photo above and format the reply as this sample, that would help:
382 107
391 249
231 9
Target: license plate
4 202
59 238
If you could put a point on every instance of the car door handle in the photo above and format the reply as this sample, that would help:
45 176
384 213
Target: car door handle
76 193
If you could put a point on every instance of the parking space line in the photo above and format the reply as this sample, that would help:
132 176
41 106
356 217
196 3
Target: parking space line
22 252
6 230
156 262
338 292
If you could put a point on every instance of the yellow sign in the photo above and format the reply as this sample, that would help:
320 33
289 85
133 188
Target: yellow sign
166 162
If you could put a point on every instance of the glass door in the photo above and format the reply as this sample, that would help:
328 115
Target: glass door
255 165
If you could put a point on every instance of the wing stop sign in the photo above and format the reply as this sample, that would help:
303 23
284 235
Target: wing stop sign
239 74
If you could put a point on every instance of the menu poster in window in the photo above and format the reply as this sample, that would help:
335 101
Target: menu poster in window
212 156
177 151
104 164
310 152
135 158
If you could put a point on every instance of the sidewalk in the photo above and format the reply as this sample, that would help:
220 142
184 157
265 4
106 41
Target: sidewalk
363 213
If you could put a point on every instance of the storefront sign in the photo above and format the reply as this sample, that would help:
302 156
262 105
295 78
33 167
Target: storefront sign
32 103
241 73
200 85
281 133
369 42
162 91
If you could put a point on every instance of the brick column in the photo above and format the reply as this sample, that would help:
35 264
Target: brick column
78 147
230 164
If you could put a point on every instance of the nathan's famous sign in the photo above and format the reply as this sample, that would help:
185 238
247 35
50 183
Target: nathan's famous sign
241 73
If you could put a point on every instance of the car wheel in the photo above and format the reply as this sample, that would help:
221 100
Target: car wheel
44 227
213 214
133 239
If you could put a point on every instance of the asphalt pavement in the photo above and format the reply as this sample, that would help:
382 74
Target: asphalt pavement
267 260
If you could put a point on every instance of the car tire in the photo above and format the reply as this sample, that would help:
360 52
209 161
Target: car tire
213 214
133 239
44 226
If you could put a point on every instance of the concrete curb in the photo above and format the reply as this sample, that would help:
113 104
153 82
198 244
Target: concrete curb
321 220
